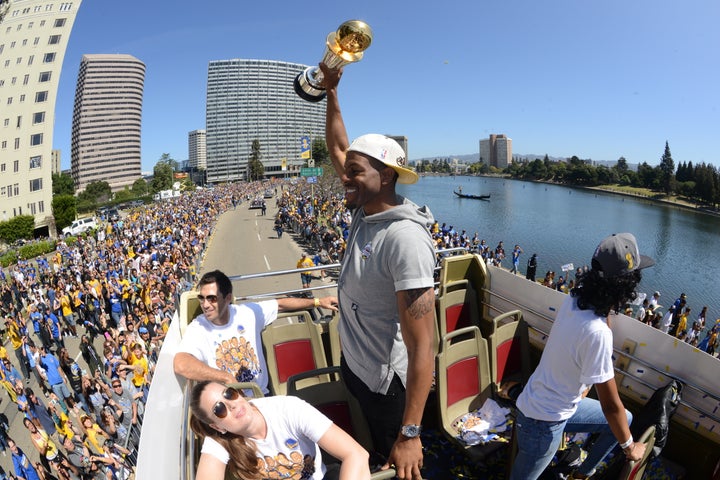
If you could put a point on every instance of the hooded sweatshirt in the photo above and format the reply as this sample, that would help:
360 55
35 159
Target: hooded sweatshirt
387 252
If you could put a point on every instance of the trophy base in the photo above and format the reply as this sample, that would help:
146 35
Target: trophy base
306 90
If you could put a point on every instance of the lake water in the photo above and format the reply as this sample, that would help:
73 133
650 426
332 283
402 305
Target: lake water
564 225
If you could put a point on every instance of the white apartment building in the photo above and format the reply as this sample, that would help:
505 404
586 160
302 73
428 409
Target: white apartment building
34 35
250 100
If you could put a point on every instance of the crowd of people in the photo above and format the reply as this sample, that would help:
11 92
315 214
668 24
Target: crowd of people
107 297
678 321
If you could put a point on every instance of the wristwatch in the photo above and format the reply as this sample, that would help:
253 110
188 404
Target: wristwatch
410 431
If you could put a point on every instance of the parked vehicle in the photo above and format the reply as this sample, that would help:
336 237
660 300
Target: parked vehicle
112 214
80 225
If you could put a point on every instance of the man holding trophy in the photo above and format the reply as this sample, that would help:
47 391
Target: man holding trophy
385 289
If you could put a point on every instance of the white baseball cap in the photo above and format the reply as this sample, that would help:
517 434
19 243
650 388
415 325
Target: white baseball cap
387 151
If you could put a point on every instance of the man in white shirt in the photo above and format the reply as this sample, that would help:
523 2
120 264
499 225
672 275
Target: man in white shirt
223 344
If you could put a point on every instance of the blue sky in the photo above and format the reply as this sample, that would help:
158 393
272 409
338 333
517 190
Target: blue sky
598 80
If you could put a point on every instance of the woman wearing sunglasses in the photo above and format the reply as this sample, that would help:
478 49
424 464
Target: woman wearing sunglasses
271 437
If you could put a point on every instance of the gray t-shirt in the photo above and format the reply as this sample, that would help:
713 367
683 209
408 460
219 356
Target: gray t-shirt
387 252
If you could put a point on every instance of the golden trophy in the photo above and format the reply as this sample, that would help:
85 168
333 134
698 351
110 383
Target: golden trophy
343 46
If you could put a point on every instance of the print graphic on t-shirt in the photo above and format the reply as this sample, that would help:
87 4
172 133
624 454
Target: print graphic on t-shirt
296 467
237 356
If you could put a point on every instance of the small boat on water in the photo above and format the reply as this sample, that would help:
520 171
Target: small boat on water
475 197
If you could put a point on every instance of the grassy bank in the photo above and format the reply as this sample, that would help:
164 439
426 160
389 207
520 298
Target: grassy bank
675 200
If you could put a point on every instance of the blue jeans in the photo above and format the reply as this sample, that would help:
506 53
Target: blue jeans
539 440
62 392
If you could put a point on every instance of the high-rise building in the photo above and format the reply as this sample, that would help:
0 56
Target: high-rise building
106 121
250 100
496 151
33 37
56 161
197 153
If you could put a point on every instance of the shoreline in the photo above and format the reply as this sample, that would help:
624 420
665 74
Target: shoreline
610 189
674 203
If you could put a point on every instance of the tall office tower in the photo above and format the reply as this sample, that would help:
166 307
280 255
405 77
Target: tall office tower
496 151
250 100
56 161
106 121
197 153
33 37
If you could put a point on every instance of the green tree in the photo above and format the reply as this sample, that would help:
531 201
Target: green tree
62 184
166 158
621 166
256 170
706 188
99 190
645 175
481 168
667 167
124 195
320 153
536 170
559 171
162 174
607 176
20 226
187 185
140 187
64 208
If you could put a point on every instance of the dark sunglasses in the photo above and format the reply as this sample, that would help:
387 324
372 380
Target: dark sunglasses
117 385
209 298
219 409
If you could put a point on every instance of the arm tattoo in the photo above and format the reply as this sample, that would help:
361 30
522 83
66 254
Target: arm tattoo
418 304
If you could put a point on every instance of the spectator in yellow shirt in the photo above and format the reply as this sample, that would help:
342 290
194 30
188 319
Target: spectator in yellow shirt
304 262
67 313
18 341
139 364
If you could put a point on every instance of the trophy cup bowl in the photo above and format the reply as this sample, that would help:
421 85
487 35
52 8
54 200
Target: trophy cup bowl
344 45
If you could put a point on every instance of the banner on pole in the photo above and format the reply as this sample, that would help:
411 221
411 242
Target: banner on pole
305 146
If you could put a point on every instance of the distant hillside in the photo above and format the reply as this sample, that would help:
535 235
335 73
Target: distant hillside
467 158
473 158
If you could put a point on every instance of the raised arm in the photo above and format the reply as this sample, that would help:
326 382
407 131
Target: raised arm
335 133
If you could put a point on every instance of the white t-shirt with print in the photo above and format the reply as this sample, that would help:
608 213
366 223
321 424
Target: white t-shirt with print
235 347
290 448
